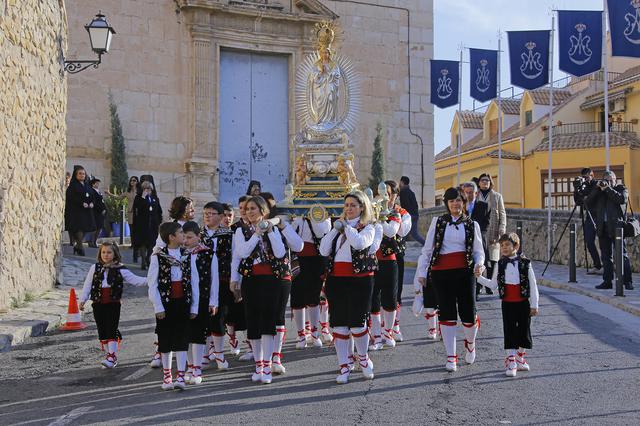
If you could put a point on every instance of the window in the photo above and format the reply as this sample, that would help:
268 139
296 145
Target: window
562 186
528 117
493 127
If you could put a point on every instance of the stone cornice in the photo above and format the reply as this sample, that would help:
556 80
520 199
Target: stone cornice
195 5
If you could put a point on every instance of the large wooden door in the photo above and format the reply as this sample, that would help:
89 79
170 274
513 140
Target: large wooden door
254 111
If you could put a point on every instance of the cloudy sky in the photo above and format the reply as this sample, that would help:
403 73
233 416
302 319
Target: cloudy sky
474 23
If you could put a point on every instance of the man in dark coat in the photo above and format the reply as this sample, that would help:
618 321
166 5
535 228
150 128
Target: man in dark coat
409 203
479 212
605 202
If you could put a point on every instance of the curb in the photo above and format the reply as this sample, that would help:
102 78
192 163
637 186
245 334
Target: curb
609 300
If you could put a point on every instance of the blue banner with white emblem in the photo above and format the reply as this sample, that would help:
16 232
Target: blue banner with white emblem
529 58
445 83
580 41
624 22
483 81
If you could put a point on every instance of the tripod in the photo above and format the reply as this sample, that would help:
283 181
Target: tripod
566 225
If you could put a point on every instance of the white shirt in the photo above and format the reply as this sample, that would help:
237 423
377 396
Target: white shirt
377 238
302 228
294 241
512 277
405 227
215 279
176 275
244 248
128 277
358 240
453 242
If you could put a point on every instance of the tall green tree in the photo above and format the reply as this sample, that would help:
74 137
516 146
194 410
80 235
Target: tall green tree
119 176
377 160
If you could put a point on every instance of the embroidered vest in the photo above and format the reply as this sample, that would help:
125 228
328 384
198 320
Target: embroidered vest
224 253
362 260
441 227
401 241
281 267
203 265
389 245
165 261
114 279
523 270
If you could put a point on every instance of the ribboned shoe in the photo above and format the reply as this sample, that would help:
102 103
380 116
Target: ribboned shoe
377 344
247 356
276 364
397 334
167 381
326 335
156 361
196 378
511 366
343 377
387 340
110 361
316 342
189 374
604 286
366 366
432 334
452 363
521 363
266 377
302 341
180 383
257 375
470 355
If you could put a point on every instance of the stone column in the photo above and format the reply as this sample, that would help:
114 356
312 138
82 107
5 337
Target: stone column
201 167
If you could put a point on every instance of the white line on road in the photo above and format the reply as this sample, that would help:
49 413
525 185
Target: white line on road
71 416
138 373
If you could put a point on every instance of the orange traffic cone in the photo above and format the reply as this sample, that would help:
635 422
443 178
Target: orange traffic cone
73 314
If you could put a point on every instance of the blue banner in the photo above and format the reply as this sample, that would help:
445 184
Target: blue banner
624 22
483 81
529 58
445 83
580 41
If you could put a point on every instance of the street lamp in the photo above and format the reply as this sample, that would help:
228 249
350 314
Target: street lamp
100 35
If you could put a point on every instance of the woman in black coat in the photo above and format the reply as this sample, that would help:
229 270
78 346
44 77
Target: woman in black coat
147 216
78 210
99 210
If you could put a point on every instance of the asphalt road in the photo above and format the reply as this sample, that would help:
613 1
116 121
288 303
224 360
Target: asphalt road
585 370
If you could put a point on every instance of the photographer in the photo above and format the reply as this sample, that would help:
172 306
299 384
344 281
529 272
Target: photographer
605 202
582 186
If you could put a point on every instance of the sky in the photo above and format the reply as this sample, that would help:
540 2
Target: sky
474 23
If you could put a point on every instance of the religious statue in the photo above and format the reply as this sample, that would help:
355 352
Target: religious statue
301 170
346 175
324 84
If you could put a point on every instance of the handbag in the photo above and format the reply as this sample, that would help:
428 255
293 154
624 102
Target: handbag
631 224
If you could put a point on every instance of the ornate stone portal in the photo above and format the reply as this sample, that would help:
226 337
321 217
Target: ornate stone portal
327 107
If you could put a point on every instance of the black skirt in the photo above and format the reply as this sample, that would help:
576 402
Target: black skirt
306 287
261 295
107 317
349 300
173 329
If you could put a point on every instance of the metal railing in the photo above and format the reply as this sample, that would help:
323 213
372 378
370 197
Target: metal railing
591 127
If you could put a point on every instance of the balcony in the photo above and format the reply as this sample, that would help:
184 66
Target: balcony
592 127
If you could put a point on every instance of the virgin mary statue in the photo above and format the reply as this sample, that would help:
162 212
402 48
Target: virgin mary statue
324 84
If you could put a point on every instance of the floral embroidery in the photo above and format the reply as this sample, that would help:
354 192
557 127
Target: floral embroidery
281 267
114 279
165 262
362 260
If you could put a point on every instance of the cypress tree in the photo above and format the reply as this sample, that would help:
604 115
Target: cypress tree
377 160
119 176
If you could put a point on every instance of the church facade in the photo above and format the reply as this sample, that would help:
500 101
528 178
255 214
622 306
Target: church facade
205 90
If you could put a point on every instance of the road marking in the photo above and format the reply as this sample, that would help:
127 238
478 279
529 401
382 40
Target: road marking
71 416
138 373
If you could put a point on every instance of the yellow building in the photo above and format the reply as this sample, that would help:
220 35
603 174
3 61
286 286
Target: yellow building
578 141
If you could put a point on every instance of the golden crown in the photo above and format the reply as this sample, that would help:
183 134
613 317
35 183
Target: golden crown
325 32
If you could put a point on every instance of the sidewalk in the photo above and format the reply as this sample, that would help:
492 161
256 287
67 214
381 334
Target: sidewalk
557 276
49 310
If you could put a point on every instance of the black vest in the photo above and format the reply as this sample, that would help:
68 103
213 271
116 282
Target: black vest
224 243
114 279
523 270
281 267
362 260
164 274
204 258
441 227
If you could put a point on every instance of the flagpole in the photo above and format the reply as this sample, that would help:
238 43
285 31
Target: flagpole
605 79
499 119
550 165
459 141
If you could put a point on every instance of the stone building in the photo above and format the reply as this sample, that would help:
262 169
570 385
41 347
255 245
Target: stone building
33 105
205 89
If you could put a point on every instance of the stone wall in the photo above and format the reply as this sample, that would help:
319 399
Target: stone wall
162 71
32 142
534 234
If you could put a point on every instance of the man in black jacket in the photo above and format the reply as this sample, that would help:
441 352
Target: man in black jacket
582 186
409 203
605 202
478 211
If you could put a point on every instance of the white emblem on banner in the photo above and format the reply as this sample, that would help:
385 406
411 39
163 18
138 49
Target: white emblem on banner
444 85
531 67
482 82
580 52
632 32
